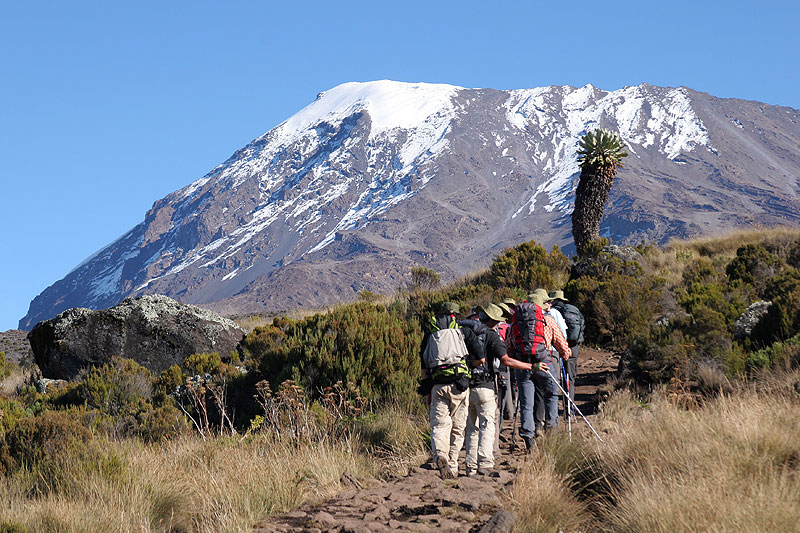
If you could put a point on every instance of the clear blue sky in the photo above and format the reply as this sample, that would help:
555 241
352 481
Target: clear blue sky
109 106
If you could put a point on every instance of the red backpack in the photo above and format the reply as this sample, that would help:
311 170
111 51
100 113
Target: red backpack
527 334
502 330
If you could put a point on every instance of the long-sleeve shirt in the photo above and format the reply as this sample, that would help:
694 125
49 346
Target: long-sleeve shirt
554 338
562 324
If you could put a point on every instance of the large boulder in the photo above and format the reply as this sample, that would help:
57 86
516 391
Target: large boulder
155 331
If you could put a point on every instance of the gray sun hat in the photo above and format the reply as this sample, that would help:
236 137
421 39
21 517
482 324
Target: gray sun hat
558 295
492 312
510 302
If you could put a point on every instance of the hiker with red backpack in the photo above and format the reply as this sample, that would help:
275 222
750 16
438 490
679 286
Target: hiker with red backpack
537 339
481 422
446 352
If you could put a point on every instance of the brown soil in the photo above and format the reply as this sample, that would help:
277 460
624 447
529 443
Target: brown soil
421 501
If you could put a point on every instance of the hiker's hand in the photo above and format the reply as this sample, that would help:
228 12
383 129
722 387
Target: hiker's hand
566 356
544 367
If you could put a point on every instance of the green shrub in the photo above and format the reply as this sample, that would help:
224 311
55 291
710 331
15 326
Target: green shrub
167 383
203 363
119 387
359 343
782 320
786 354
618 300
528 266
52 448
753 264
6 367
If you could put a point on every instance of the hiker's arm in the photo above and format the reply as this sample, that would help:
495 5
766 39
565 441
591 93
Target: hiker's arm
499 350
510 362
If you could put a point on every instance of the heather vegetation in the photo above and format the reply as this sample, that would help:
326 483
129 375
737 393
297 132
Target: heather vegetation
229 438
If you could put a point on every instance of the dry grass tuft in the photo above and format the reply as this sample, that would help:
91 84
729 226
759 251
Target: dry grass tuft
671 260
542 501
188 485
731 465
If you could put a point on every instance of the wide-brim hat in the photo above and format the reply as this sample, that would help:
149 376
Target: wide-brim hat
538 298
448 308
492 312
510 302
507 312
558 295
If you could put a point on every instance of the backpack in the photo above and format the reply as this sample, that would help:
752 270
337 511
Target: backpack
485 372
527 333
445 347
575 322
502 330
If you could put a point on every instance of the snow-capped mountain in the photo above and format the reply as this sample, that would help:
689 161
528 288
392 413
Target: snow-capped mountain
373 178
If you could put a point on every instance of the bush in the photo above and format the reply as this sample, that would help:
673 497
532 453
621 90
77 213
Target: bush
359 343
203 363
753 264
6 367
618 300
528 266
53 449
119 387
782 320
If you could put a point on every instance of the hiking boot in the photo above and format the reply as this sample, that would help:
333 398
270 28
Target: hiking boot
485 471
530 444
444 468
471 473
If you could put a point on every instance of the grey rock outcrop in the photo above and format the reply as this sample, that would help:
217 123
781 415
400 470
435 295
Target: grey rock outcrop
155 331
744 325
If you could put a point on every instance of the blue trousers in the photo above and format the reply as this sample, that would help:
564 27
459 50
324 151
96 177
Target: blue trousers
527 383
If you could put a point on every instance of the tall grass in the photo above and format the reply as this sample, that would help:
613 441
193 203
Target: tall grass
730 465
222 484
671 260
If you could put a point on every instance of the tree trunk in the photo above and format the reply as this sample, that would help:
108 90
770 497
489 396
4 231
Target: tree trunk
590 201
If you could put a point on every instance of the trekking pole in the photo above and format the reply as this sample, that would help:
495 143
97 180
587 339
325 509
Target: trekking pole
567 408
575 407
514 425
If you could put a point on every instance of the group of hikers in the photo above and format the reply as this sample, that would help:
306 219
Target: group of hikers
503 358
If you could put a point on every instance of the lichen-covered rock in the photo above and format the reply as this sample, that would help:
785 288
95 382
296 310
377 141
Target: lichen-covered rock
155 331
743 326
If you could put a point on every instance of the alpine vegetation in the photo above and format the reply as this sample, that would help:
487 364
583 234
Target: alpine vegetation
312 407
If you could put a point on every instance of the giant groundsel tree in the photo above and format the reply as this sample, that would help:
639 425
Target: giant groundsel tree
600 154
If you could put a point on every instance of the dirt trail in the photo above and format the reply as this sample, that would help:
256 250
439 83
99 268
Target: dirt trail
421 500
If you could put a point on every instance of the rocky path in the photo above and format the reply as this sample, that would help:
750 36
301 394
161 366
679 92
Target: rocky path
422 501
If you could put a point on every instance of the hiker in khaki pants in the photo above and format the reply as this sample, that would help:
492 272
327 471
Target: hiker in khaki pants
444 353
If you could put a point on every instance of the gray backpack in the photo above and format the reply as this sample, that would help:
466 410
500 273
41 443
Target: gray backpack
445 347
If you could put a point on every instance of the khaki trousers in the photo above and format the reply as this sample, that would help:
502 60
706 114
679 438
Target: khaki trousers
448 420
481 428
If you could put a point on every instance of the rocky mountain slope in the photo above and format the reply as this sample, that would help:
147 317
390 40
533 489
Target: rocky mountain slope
373 178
